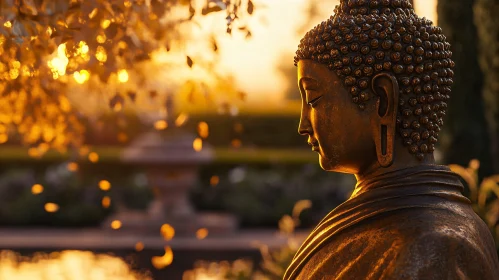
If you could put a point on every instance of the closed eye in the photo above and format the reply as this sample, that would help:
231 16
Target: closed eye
314 101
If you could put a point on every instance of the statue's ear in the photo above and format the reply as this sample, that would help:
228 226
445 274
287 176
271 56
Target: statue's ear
383 124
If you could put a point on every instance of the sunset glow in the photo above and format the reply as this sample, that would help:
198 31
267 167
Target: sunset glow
255 62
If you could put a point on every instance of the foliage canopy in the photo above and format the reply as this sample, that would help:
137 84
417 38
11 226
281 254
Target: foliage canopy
47 44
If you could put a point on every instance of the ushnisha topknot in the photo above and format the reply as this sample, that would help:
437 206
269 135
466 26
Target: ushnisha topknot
366 37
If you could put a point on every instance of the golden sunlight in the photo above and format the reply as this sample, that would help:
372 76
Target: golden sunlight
197 144
104 185
81 76
123 76
167 231
181 119
69 265
139 246
202 233
51 207
427 8
261 65
93 157
277 28
203 130
106 202
105 23
116 224
37 189
72 166
160 125
59 62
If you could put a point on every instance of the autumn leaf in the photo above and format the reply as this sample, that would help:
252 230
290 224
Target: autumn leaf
142 57
4 32
251 7
48 7
214 6
132 95
192 11
30 27
62 6
191 94
8 10
116 102
286 224
108 7
207 10
205 91
62 23
488 185
18 29
224 107
188 89
158 8
28 7
299 207
128 32
242 95
112 30
214 44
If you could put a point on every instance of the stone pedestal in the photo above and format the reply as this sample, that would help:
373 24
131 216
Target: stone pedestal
171 165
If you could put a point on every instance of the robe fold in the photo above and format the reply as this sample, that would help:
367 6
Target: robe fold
408 224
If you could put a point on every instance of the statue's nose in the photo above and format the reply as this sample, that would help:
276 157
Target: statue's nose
305 128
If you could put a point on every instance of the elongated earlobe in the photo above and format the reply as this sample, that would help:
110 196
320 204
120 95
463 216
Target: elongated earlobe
385 86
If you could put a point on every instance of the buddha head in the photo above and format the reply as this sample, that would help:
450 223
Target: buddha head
374 80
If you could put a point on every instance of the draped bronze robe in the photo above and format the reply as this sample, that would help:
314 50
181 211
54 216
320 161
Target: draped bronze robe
408 224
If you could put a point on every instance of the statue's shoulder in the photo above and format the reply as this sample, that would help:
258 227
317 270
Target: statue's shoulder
409 244
412 231
439 240
437 229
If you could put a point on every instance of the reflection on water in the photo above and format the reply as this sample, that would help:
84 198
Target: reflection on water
66 265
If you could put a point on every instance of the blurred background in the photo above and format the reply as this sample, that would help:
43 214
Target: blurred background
157 139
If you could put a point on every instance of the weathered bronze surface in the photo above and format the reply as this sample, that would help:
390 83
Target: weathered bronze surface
374 80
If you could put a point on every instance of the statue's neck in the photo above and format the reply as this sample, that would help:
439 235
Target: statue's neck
400 161
430 175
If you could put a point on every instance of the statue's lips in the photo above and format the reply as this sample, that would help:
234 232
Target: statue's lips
314 145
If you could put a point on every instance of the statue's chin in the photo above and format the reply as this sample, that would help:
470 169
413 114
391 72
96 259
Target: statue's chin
332 166
327 165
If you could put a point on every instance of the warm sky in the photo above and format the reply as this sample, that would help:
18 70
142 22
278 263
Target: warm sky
254 62
277 27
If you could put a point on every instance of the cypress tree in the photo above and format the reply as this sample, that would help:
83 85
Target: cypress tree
487 23
465 133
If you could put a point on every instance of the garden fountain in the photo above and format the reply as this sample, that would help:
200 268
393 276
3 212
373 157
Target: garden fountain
171 158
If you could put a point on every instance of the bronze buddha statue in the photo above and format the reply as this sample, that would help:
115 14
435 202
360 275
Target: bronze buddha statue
374 80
